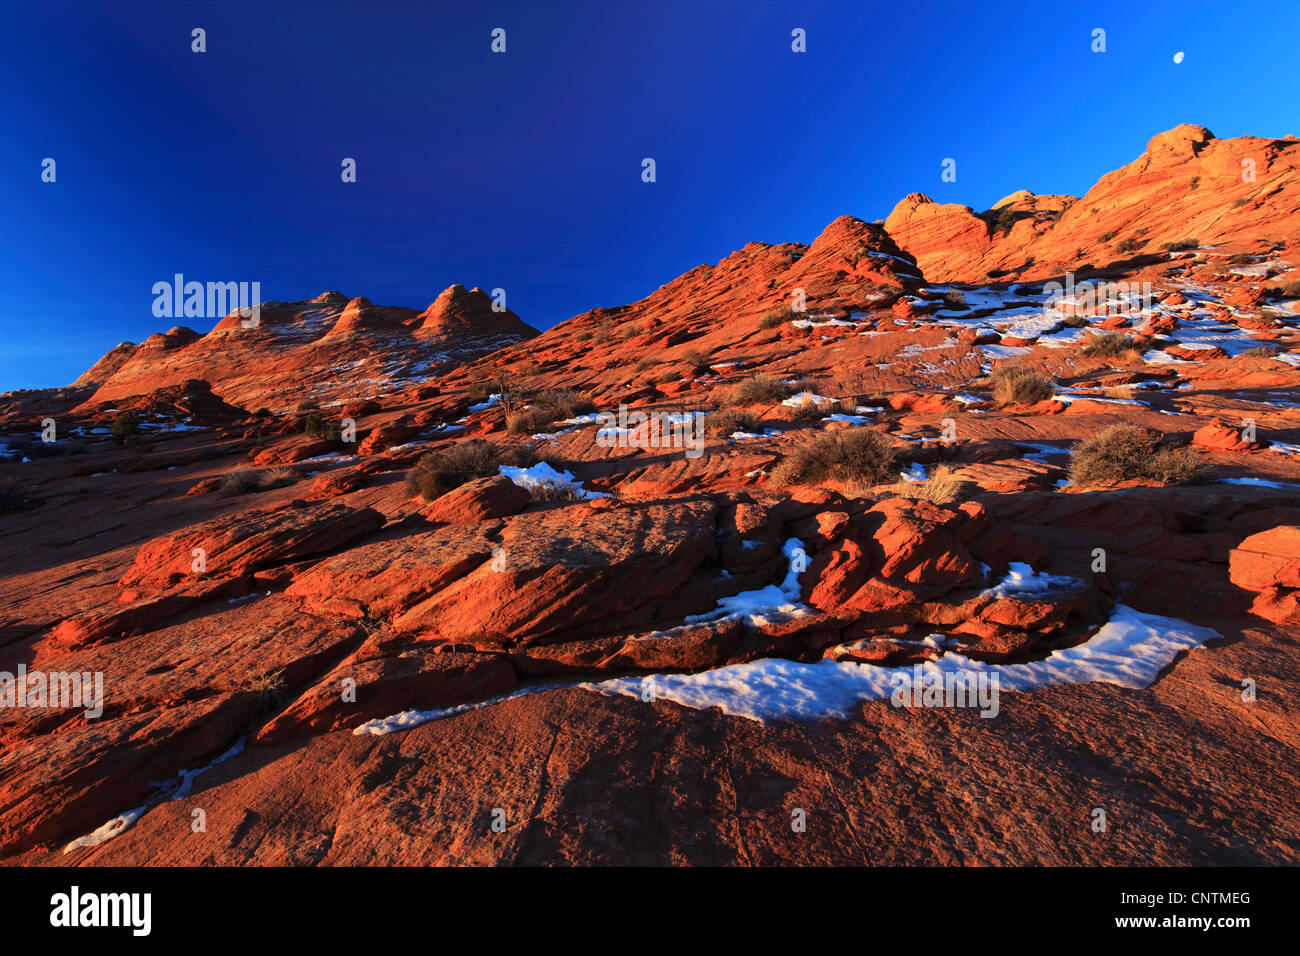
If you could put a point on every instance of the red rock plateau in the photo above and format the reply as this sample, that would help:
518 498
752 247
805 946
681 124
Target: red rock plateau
368 586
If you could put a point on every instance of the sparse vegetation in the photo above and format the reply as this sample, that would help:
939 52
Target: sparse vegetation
1016 384
1288 290
604 333
125 426
728 420
1130 245
269 688
1106 237
942 487
856 455
1182 245
648 362
1006 218
955 301
1128 452
1076 322
631 332
438 472
547 407
1264 351
779 317
760 389
245 481
318 427
697 363
1109 345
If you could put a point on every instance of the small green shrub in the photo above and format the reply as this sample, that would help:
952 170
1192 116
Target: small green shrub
125 426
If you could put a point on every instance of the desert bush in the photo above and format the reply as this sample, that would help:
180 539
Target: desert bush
318 427
955 301
305 406
269 688
549 491
1107 345
1017 384
1006 218
1124 452
1106 237
779 317
1288 290
438 472
548 407
728 420
1131 244
241 481
631 332
942 487
244 481
1264 351
858 454
125 426
648 362
1182 245
697 363
1240 259
1076 322
760 388
604 333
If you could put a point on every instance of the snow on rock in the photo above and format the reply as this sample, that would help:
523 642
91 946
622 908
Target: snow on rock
543 475
1130 650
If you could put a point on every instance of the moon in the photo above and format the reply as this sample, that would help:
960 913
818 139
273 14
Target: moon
1178 57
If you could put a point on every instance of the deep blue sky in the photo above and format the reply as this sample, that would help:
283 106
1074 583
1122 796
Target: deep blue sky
523 170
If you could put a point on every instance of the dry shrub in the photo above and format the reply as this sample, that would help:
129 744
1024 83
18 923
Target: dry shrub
860 455
760 389
728 420
1016 384
1127 452
547 407
438 472
942 487
243 481
1108 345
779 317
697 363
